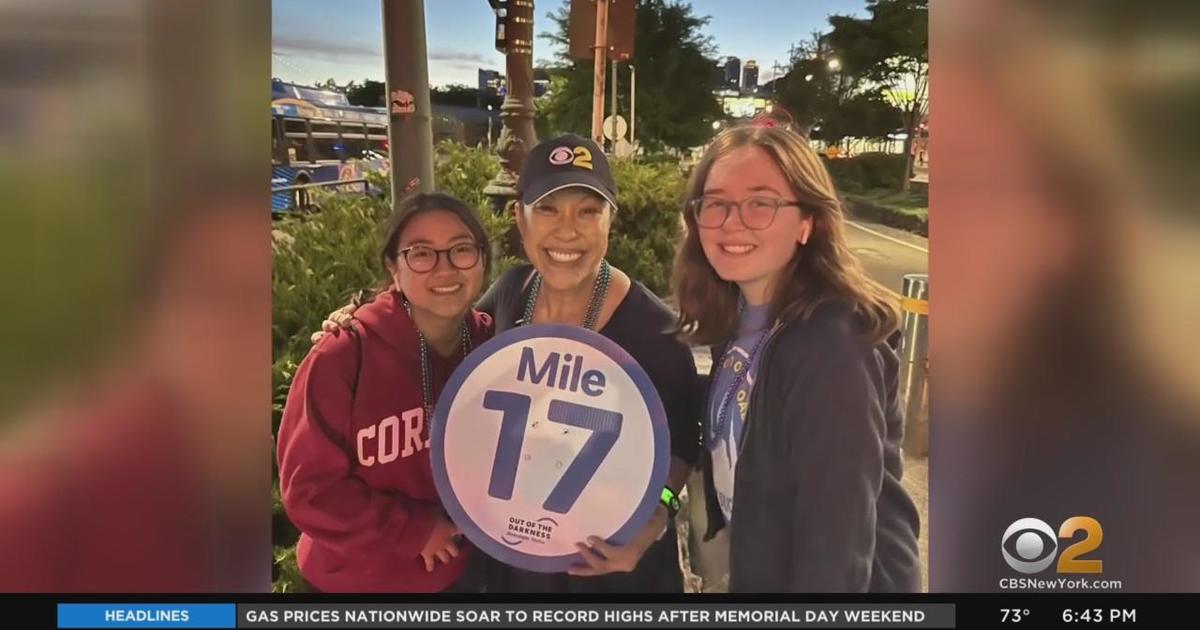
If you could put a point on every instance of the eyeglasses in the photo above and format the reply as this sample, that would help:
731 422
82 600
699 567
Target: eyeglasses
422 258
756 213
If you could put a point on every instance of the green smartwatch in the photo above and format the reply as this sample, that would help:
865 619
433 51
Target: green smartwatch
670 501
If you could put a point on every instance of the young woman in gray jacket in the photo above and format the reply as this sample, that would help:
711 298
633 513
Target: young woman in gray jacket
803 430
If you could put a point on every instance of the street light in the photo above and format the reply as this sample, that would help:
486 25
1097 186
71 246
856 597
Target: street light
716 125
835 63
808 77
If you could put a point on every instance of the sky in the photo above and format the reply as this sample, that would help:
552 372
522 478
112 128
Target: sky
314 40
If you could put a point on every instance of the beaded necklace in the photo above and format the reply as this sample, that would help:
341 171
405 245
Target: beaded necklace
426 369
599 293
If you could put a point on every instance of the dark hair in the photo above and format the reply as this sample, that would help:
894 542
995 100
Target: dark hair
824 269
420 203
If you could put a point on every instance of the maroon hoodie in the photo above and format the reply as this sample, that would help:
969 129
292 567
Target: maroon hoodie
354 468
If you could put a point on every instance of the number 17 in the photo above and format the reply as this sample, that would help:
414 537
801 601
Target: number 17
605 427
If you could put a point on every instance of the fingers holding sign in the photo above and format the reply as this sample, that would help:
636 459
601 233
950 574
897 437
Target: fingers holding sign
602 558
442 543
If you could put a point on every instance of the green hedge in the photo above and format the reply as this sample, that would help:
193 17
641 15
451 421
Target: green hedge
321 259
647 227
867 171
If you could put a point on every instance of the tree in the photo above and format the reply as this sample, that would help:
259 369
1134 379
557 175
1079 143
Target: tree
330 84
675 81
829 103
890 49
367 94
864 115
464 96
810 92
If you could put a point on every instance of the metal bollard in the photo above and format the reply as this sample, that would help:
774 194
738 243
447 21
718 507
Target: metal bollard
914 368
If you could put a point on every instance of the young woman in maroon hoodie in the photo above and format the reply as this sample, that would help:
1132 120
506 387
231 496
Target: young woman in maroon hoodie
354 442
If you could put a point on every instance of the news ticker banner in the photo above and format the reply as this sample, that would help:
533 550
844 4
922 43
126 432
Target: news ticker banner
978 610
507 615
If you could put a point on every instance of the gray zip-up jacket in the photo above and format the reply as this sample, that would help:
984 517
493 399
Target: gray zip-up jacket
817 501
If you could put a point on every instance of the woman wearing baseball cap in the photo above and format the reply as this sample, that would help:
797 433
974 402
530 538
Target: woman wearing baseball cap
564 212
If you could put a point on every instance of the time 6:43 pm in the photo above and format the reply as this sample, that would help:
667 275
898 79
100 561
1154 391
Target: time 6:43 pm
1094 615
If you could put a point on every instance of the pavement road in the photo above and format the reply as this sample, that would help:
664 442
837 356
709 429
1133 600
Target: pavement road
888 254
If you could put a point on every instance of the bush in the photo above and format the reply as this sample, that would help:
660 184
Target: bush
867 171
648 225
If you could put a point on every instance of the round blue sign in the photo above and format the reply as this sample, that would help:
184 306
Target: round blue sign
544 436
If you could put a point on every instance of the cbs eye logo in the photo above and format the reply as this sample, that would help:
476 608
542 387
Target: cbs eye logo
1029 545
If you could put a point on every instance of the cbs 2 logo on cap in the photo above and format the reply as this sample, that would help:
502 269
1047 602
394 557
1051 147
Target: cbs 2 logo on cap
579 156
1029 545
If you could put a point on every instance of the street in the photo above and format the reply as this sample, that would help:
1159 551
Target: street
888 254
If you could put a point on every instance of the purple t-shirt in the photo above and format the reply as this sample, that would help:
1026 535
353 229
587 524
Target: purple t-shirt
724 445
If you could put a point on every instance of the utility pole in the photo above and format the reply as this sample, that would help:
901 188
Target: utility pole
410 123
632 106
601 55
614 106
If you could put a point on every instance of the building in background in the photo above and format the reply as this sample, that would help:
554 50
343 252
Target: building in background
494 83
747 106
750 77
541 82
733 72
491 81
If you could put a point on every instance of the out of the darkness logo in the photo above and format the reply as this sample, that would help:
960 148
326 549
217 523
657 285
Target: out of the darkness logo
1030 545
521 530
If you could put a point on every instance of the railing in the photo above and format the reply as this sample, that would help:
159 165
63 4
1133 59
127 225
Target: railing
303 201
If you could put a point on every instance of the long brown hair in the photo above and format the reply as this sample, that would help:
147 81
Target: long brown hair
823 269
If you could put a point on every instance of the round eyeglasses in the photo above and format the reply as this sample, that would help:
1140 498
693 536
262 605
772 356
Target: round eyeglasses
756 213
422 258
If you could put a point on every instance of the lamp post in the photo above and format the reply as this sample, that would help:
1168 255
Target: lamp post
517 135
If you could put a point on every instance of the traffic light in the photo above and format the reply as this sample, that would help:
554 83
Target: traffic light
500 8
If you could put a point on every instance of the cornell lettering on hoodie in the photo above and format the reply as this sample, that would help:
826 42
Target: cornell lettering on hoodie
354 456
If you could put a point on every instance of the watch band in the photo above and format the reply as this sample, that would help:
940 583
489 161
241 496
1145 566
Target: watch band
670 501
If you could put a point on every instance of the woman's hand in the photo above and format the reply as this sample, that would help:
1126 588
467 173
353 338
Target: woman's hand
337 320
442 544
602 557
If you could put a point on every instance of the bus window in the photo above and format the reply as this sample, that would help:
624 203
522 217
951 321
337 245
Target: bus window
355 146
354 139
324 149
299 146
324 127
295 125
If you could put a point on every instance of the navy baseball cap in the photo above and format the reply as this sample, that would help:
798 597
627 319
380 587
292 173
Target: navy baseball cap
565 162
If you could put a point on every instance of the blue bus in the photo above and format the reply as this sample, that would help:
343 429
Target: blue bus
318 137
